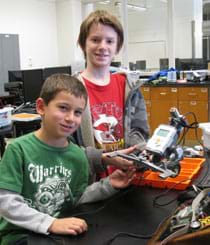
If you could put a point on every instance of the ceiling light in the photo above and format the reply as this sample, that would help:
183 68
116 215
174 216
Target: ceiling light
105 2
132 6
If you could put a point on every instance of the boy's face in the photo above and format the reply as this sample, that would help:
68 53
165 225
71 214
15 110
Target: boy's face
101 45
62 116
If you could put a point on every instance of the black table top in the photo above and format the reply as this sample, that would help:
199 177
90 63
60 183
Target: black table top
130 211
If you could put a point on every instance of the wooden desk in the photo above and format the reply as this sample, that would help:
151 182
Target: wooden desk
25 123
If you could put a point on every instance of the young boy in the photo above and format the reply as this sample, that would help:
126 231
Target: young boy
116 116
43 173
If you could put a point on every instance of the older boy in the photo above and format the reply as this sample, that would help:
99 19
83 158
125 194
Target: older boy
115 117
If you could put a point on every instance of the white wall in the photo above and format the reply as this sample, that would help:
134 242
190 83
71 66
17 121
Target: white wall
183 28
35 23
69 16
48 31
148 38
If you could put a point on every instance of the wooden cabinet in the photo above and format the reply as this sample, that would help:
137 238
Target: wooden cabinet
190 100
162 99
194 102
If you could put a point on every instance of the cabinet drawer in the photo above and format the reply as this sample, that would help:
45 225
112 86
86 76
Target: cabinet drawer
145 92
164 93
160 112
192 93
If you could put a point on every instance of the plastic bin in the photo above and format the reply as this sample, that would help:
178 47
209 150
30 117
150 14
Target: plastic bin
189 170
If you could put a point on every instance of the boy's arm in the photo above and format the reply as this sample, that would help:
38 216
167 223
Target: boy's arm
16 211
98 161
97 191
107 187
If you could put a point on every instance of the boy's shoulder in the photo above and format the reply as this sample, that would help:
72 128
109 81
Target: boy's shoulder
73 143
119 75
131 78
23 138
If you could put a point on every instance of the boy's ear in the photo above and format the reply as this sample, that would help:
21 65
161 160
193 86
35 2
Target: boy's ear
40 105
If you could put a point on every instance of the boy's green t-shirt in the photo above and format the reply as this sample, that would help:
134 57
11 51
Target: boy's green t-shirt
50 179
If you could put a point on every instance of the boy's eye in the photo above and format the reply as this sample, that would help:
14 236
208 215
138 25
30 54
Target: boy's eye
78 113
63 108
110 41
95 40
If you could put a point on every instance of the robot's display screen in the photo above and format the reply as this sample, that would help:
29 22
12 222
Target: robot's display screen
162 132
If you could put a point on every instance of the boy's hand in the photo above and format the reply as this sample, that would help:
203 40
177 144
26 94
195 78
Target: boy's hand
120 179
68 226
119 162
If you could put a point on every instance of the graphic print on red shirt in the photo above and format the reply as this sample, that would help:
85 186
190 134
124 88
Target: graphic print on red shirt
107 109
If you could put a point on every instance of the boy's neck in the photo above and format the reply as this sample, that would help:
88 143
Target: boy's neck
51 141
97 76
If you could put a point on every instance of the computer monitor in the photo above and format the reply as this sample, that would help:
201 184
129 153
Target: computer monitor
132 66
116 63
15 76
32 83
190 64
48 71
164 64
141 65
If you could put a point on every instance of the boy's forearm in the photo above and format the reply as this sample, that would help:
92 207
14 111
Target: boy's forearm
98 191
16 211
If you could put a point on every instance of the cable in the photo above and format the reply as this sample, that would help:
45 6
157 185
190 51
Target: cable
156 204
194 125
119 194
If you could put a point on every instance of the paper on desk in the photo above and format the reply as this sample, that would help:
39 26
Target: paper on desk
25 117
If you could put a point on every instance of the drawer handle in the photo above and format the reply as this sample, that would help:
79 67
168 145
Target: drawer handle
192 94
193 103
204 90
162 93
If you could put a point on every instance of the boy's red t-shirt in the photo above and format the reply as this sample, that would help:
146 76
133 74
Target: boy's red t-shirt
107 110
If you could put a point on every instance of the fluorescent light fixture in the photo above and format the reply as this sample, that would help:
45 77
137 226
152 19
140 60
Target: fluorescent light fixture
132 6
105 2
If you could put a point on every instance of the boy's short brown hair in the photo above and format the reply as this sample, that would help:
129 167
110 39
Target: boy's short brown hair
62 82
100 17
